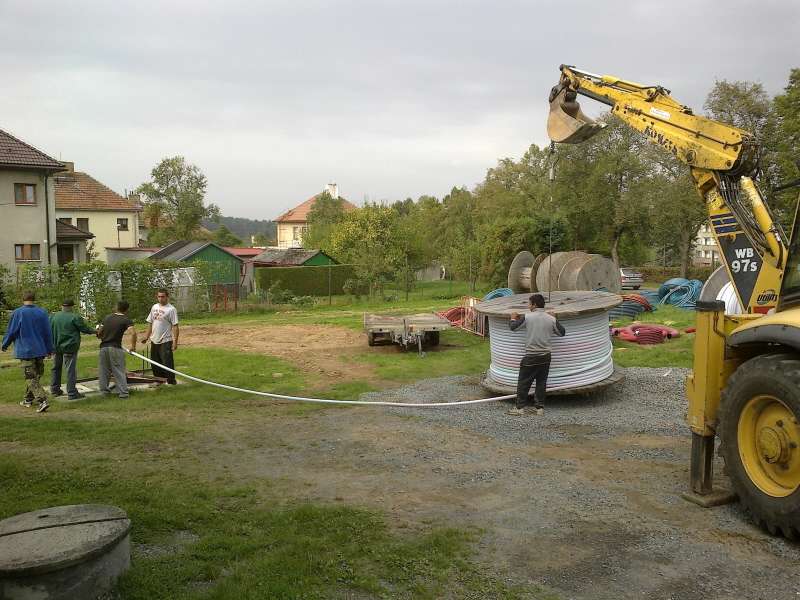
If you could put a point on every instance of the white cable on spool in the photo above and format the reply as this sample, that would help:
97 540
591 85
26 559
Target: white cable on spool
582 357
728 296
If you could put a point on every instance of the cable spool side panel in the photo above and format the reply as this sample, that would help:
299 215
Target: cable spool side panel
520 273
566 278
598 272
547 275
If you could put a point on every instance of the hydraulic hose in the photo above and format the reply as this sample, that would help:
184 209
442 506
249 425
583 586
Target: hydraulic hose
283 397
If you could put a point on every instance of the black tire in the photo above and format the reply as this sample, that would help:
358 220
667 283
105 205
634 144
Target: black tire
432 338
760 440
370 339
636 287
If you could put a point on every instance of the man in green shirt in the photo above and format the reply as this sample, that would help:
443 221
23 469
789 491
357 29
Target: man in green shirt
67 329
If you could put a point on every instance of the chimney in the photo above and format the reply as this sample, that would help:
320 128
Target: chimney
70 166
333 190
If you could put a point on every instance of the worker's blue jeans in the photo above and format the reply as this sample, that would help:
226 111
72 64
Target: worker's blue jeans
533 368
68 361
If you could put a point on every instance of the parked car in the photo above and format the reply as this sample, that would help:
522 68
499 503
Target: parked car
631 279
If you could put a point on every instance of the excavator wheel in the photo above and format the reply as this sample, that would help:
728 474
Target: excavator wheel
760 440
432 338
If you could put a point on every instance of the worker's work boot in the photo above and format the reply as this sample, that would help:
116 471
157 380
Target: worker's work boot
515 411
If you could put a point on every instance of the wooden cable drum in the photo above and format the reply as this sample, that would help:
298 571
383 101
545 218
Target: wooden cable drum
547 274
519 273
522 273
594 273
562 271
581 360
566 278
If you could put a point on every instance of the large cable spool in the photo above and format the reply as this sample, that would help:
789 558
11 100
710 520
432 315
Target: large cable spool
597 272
719 287
581 360
562 271
547 274
522 273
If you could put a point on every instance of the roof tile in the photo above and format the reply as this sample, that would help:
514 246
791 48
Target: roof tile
79 191
16 153
299 214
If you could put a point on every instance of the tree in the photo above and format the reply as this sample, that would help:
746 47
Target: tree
173 202
787 110
323 218
379 242
747 106
224 237
600 189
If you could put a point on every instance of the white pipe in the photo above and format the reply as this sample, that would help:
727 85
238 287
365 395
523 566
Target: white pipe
403 404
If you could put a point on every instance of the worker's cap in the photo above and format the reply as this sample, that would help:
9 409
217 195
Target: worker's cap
68 302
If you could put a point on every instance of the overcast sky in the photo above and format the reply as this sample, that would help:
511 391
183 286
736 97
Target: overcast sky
389 99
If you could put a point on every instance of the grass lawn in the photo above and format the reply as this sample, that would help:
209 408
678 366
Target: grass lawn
210 536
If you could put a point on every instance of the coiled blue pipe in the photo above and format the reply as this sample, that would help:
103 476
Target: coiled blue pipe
681 293
498 293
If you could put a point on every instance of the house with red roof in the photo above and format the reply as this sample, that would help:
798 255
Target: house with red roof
294 223
85 203
28 231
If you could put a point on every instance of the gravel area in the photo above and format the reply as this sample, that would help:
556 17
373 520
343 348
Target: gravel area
585 500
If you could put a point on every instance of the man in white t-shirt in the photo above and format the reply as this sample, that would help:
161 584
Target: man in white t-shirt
162 331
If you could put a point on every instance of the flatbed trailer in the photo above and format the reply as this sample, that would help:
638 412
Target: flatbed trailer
405 330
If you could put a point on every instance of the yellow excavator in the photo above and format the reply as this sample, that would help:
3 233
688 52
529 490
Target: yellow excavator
745 388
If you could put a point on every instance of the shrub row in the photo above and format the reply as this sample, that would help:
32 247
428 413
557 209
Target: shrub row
305 281
656 274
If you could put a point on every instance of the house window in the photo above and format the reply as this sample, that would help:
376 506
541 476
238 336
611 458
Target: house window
26 252
122 224
83 224
66 220
24 194
295 233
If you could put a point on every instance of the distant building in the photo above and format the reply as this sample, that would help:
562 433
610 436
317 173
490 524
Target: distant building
89 205
706 250
28 232
294 223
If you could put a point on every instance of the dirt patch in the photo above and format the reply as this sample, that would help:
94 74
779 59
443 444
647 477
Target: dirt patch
315 349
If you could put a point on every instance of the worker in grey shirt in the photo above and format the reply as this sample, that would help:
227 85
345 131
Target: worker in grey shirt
539 326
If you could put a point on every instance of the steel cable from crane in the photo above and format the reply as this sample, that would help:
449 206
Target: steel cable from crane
283 397
582 357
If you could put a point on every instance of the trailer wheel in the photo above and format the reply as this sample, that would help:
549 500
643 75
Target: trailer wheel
760 440
370 339
432 338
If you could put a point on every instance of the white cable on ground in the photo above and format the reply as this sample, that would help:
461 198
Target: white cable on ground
403 404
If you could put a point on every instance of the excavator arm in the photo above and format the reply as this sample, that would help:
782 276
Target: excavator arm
723 161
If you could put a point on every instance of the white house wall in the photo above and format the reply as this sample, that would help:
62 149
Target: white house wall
27 224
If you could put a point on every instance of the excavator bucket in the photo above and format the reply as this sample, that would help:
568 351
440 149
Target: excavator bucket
566 122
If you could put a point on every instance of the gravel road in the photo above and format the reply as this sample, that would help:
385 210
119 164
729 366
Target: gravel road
585 500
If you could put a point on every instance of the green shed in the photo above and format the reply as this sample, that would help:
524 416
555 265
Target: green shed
227 267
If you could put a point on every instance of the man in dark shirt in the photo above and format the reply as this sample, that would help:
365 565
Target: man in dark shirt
67 328
539 326
112 356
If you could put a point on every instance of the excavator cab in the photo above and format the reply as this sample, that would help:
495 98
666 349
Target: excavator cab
566 122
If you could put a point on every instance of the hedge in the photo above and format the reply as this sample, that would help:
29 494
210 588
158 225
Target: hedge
305 281
656 274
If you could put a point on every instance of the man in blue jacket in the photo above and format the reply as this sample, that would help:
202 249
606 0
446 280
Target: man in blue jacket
29 331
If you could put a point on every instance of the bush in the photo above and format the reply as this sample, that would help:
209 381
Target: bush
312 281
659 274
